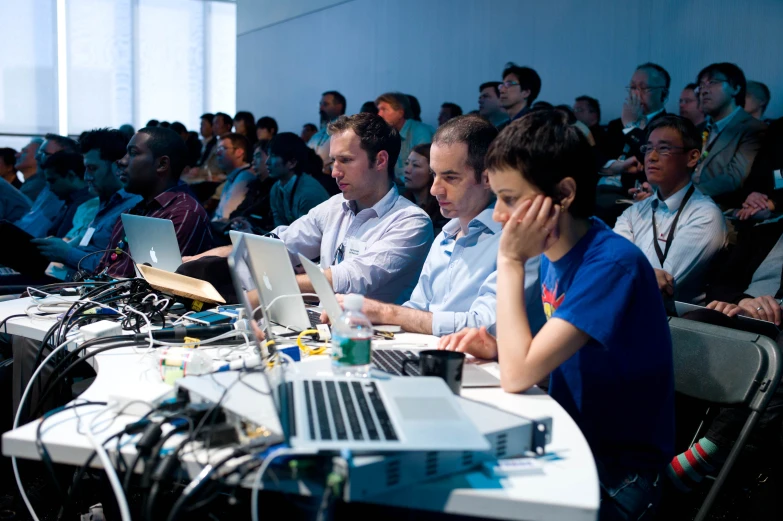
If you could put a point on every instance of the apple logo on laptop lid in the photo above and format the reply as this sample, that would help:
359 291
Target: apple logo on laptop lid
153 256
267 283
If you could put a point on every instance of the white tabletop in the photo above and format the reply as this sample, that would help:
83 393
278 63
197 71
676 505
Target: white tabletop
567 488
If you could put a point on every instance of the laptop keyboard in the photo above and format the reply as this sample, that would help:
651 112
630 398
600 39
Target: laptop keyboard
314 316
347 410
390 361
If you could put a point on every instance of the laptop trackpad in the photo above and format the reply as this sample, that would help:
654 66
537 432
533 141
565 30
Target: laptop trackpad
433 409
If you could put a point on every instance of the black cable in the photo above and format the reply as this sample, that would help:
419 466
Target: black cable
79 264
3 323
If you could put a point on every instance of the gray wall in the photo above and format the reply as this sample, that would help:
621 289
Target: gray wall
441 50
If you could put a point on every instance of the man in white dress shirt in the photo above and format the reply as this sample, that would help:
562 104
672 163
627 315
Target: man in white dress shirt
678 228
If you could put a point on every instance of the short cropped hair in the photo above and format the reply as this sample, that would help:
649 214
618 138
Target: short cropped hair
63 162
166 142
374 134
268 123
239 141
369 107
397 101
545 149
110 143
311 127
660 71
476 132
454 109
491 84
8 156
290 147
593 104
67 144
528 79
338 98
208 116
179 127
734 76
227 120
759 91
691 138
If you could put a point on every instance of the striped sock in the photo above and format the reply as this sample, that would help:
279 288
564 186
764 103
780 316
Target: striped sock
688 469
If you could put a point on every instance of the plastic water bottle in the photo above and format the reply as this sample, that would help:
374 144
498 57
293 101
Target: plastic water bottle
352 340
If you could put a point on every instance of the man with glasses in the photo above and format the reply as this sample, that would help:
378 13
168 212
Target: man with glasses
518 91
731 137
233 154
678 228
690 106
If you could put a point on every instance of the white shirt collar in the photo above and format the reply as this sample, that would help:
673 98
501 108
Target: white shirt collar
674 201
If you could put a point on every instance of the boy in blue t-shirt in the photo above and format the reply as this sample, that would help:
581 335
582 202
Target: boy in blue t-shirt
606 342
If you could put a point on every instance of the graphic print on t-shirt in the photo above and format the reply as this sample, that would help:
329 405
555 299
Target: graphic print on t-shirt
551 300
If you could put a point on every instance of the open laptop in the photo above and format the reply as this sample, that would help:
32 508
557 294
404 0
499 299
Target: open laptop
388 360
152 241
749 324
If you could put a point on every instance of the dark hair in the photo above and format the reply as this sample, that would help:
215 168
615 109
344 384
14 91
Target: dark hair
152 123
759 91
454 109
165 124
339 98
290 147
369 107
63 162
127 130
268 123
166 142
691 138
109 142
263 144
695 89
397 101
250 123
545 149
415 107
208 116
593 104
67 144
374 134
310 126
528 79
541 105
179 128
8 156
227 120
491 84
423 150
569 112
239 141
314 165
734 76
667 80
193 146
476 132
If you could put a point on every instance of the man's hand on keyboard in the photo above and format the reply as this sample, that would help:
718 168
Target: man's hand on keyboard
476 342
372 309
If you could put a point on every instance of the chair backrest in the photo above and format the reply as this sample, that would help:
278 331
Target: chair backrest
724 366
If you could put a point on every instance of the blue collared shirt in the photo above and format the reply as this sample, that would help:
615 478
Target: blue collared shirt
458 283
377 252
234 191
103 224
42 215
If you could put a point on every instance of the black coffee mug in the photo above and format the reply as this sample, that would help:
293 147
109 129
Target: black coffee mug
443 364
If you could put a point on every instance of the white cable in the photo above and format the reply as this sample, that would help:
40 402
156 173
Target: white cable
19 415
300 295
258 482
116 486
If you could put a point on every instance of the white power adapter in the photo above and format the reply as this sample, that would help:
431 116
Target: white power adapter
100 329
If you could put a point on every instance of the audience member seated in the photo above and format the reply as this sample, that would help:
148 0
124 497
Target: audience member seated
233 154
415 108
764 187
600 296
418 182
369 239
28 166
518 91
64 173
331 107
266 128
489 103
8 167
295 192
395 109
210 172
678 229
731 136
308 131
757 98
152 123
209 138
254 214
194 146
588 111
102 148
447 111
245 124
690 104
46 207
127 129
571 120
369 107
457 285
180 129
151 168
13 203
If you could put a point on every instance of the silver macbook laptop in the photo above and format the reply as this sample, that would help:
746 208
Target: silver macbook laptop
152 241
389 360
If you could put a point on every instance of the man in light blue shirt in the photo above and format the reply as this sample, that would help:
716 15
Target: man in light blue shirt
395 109
233 156
331 107
457 286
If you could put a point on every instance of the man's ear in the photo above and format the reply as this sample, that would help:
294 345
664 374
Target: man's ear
526 94
693 158
163 163
291 165
382 161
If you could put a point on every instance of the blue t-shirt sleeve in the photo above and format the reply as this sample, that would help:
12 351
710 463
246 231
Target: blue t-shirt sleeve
597 298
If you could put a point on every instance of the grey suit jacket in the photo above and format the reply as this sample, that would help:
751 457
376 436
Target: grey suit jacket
728 162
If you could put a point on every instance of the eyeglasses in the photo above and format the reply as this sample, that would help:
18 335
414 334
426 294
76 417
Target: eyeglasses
663 150
221 148
644 89
509 84
707 85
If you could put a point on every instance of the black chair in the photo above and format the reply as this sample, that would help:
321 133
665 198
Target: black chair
728 368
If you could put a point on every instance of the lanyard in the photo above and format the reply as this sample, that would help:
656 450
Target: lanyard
663 254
